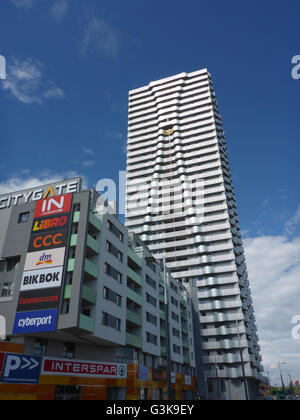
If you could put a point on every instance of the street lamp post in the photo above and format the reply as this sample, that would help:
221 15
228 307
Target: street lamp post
281 377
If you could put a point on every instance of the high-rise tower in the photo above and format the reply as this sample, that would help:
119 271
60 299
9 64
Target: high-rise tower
180 200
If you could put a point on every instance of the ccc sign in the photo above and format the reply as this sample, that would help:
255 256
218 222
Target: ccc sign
48 240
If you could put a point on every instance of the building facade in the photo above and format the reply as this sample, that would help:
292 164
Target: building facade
181 202
83 305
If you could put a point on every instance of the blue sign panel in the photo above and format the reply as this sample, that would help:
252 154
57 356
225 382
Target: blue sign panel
21 369
143 373
35 322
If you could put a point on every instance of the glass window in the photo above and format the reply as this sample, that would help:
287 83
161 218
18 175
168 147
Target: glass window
23 217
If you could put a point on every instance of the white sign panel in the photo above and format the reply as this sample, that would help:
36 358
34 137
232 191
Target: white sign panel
45 259
42 279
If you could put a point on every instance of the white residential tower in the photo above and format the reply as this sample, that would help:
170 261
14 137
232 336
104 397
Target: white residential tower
180 200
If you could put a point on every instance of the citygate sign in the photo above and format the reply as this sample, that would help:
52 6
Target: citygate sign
40 193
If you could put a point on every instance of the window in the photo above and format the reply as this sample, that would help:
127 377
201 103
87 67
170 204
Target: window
112 272
176 349
111 321
176 333
23 217
151 282
173 287
112 296
40 347
151 338
69 350
174 301
175 317
114 251
151 318
115 231
150 299
6 289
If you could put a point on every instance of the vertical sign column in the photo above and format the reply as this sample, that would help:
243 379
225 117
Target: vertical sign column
42 279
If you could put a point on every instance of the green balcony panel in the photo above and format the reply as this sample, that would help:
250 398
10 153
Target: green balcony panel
95 222
163 351
134 276
135 297
183 302
88 294
184 315
134 257
161 282
86 323
163 332
68 291
73 241
134 318
93 244
163 315
91 269
185 344
186 359
71 263
76 217
133 340
184 329
162 298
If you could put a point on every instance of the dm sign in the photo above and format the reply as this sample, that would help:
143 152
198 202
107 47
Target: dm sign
21 369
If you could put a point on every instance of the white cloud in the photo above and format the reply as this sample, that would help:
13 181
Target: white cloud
20 182
59 10
88 163
293 223
100 37
26 82
274 272
87 150
23 3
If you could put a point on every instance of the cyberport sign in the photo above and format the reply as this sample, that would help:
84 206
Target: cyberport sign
37 321
84 368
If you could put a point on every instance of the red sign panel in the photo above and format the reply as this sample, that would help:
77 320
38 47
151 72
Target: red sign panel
85 369
53 205
2 357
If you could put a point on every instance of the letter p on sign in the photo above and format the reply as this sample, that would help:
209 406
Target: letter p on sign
12 363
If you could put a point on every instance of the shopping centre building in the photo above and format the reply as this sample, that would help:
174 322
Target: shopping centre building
85 310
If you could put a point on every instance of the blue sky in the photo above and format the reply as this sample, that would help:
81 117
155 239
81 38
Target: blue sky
71 63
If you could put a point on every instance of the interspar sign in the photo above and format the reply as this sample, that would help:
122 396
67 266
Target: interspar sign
84 368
